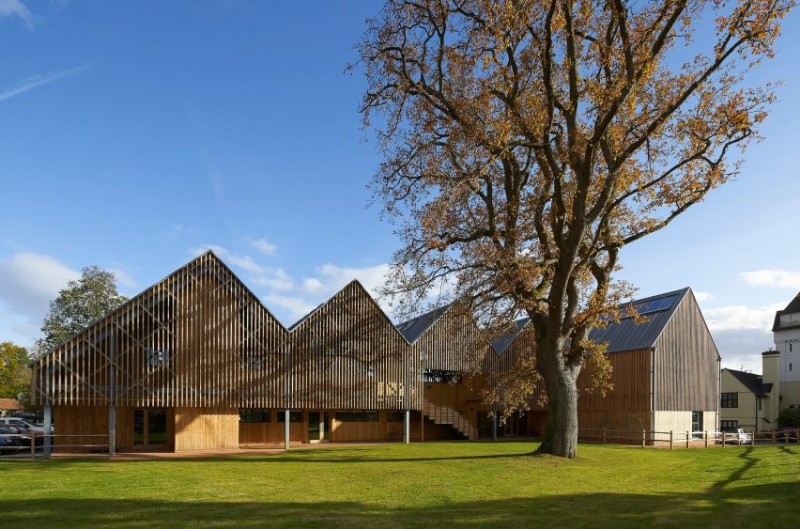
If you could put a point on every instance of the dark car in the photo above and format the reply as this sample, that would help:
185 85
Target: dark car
12 440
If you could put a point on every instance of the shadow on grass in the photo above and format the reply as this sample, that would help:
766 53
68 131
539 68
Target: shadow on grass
772 504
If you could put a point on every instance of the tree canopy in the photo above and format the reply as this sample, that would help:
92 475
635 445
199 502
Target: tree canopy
526 142
79 304
15 375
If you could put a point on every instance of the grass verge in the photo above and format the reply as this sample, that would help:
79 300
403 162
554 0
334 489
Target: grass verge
462 485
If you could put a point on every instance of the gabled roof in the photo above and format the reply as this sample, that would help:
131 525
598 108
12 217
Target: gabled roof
208 261
413 329
752 382
362 291
504 341
627 335
792 308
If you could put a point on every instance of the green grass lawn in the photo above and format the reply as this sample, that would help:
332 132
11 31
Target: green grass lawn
464 485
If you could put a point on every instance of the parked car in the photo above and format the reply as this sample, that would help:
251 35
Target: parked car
22 424
736 436
11 439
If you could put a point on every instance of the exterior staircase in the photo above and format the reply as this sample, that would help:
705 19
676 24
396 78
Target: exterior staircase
450 417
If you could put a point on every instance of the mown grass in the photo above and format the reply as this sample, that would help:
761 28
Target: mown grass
462 485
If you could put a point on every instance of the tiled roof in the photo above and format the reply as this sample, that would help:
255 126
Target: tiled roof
752 382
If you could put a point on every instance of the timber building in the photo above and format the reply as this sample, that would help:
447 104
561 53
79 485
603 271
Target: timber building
197 362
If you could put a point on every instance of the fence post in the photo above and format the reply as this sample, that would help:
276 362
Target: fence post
773 437
671 439
705 438
687 439
604 436
33 445
644 437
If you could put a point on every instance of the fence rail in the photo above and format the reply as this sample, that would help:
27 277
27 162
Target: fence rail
41 445
687 439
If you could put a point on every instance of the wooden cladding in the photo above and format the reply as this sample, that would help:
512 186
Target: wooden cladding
348 355
686 362
452 343
201 339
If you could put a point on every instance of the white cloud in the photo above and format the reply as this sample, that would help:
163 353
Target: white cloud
36 81
28 281
274 279
703 296
334 277
123 278
245 262
294 307
772 278
741 349
313 286
15 8
263 246
739 317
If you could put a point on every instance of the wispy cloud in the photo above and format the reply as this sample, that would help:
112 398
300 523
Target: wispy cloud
36 81
739 317
28 281
15 8
771 277
703 296
264 246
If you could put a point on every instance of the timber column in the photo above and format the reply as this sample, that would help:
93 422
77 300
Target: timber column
112 397
48 429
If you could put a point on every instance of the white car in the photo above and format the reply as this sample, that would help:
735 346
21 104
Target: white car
737 436
22 424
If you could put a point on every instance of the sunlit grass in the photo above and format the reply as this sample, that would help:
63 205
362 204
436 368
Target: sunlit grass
419 485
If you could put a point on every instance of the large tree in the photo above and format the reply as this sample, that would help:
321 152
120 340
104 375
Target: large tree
15 375
79 304
526 142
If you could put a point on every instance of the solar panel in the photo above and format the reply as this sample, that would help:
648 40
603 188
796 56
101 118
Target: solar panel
655 305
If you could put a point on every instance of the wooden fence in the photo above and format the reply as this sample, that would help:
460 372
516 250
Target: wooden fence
674 439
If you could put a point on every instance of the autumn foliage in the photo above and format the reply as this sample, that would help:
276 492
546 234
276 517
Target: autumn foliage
525 143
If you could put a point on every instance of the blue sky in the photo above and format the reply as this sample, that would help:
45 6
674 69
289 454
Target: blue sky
135 135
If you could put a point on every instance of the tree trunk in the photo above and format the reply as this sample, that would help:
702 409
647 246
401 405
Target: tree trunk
561 437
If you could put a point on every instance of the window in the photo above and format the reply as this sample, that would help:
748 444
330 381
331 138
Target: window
395 416
357 416
255 415
697 421
157 357
728 425
730 400
294 416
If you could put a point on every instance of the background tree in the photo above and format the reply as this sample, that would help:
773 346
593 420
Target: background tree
526 142
15 375
81 303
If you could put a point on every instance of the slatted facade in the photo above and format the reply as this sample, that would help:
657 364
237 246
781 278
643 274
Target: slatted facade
348 355
199 338
446 339
199 348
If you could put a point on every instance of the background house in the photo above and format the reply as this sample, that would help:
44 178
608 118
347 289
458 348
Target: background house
9 406
748 400
786 333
